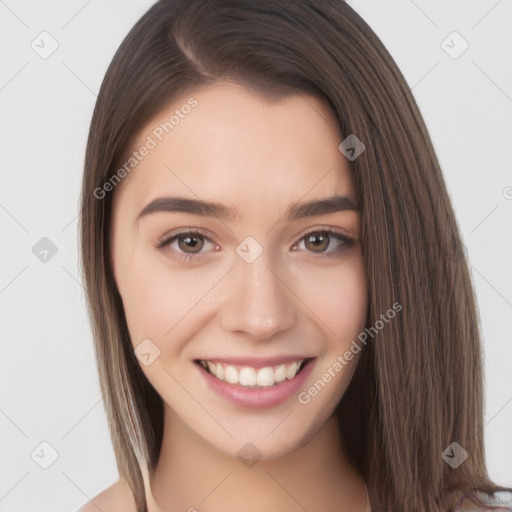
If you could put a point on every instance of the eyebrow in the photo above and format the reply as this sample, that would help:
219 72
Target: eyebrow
206 208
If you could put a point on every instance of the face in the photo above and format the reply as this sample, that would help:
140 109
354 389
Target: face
242 310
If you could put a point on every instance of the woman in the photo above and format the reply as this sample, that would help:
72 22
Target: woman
283 316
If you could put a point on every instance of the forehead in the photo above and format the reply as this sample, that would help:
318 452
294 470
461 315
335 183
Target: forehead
224 141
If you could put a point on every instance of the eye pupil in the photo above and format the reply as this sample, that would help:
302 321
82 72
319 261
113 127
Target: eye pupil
319 241
187 242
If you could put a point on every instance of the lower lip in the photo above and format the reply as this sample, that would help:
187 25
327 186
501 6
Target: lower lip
258 398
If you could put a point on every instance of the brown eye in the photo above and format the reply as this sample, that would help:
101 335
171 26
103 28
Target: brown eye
325 243
189 243
317 242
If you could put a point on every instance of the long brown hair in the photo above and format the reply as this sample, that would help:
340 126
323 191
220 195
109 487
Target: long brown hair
418 388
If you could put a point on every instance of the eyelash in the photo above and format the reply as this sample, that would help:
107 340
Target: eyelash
345 240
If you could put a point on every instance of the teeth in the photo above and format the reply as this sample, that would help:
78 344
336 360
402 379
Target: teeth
219 371
231 375
265 376
291 371
247 377
253 377
280 373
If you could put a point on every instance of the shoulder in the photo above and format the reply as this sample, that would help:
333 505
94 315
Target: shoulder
480 502
116 498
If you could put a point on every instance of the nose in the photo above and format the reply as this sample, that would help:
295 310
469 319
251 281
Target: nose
259 303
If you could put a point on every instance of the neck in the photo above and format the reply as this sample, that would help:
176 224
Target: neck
192 475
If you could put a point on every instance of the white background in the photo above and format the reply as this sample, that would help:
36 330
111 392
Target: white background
49 389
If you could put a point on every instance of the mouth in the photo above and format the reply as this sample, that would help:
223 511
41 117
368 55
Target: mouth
254 377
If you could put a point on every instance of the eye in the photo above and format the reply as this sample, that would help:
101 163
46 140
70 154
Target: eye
320 241
187 244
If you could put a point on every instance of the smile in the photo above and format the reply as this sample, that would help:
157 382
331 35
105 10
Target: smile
251 377
256 383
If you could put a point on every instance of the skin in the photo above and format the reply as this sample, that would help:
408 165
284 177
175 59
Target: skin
259 157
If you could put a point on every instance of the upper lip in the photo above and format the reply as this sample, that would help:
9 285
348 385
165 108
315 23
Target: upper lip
255 362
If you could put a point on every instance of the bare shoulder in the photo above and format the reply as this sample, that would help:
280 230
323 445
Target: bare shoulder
116 498
479 502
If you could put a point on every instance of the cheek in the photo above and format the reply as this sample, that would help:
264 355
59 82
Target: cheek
156 298
338 297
